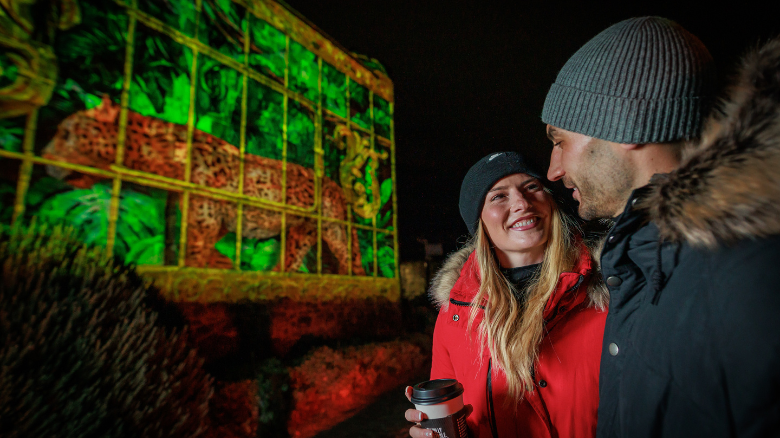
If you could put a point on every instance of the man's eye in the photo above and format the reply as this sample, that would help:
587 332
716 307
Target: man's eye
533 187
556 144
497 197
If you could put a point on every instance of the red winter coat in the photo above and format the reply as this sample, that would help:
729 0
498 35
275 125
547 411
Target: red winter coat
565 399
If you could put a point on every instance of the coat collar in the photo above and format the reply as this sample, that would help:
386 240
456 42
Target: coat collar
459 280
727 187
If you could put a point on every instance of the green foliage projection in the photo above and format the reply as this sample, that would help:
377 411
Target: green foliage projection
300 135
384 218
218 100
81 356
140 230
256 255
92 53
382 117
221 26
91 62
8 70
179 14
265 118
91 59
161 77
86 210
359 105
7 199
304 71
268 49
366 243
334 90
367 180
332 154
385 253
12 133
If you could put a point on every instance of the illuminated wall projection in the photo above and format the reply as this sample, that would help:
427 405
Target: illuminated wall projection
227 148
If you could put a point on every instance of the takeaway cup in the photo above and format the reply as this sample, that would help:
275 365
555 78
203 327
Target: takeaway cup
442 402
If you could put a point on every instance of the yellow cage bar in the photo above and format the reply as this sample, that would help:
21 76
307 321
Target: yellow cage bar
333 126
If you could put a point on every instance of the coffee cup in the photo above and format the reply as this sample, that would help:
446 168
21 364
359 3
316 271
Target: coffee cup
441 401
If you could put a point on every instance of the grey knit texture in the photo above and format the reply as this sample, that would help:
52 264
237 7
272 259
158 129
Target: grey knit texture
643 80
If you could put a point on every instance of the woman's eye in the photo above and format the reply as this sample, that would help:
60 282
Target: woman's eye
497 197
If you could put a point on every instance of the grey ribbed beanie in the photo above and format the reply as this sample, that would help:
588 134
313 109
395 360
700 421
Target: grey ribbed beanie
643 80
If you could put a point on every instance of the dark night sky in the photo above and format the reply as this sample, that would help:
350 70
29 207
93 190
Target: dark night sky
471 79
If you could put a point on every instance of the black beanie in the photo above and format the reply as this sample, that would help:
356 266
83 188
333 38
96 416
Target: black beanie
481 177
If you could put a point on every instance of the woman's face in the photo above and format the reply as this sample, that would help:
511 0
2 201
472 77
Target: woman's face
517 216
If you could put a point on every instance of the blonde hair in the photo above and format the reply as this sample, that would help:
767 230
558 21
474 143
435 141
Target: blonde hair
512 328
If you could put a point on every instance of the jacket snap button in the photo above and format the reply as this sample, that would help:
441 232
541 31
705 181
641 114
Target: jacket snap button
613 349
542 383
634 202
455 317
611 238
614 281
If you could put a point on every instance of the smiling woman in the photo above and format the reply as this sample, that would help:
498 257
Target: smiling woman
521 316
516 216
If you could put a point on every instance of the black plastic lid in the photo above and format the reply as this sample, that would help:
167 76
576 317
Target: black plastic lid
432 392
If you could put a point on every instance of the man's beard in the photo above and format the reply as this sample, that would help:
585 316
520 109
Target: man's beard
592 201
603 195
607 186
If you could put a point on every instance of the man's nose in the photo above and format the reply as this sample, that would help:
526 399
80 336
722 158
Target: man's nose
555 171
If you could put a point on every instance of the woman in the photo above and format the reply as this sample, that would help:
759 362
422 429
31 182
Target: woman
522 314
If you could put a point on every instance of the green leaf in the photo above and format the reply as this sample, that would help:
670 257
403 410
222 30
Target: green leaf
148 251
384 219
84 209
386 259
385 191
256 255
265 255
227 246
12 133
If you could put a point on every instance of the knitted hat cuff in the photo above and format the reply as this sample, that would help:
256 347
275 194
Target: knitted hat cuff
623 120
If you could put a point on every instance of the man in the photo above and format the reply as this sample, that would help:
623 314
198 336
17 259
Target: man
692 340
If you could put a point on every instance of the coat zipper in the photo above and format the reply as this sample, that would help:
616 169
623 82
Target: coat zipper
491 411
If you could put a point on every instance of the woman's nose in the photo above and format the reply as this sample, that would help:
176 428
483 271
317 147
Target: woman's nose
519 202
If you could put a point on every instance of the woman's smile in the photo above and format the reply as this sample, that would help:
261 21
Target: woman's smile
516 215
524 223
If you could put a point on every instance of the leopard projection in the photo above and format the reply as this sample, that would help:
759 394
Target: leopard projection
89 138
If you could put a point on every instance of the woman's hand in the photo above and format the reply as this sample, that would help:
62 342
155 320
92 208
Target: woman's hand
416 416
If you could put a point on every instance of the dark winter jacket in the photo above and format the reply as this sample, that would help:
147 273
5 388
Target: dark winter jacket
692 341
565 396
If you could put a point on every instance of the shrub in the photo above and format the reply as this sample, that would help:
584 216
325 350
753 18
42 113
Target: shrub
80 354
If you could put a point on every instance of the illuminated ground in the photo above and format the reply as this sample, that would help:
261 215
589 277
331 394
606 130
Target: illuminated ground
382 419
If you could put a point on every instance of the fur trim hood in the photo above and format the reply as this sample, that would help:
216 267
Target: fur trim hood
448 275
445 278
727 187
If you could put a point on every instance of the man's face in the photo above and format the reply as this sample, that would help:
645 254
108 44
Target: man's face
602 180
